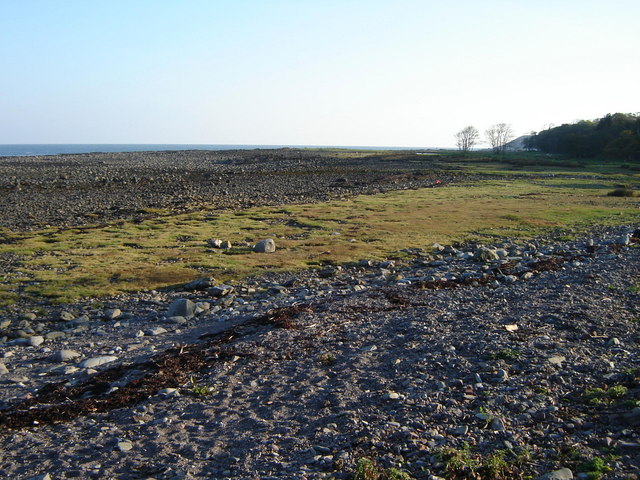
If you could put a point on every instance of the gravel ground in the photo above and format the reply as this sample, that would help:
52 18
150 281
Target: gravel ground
501 348
92 188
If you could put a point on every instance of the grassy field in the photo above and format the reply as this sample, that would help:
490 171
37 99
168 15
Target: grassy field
63 264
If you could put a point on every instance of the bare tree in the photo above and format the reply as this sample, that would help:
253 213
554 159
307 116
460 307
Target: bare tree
466 138
498 136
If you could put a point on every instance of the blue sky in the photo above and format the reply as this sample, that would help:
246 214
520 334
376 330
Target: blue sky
379 73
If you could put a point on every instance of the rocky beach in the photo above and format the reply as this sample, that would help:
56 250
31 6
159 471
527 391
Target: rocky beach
100 187
506 360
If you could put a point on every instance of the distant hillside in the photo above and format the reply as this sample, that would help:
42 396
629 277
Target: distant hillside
518 144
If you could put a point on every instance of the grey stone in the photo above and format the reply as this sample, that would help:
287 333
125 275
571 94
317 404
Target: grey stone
621 240
15 379
461 430
503 376
169 392
182 307
227 301
64 355
43 476
156 331
220 291
124 445
177 320
226 245
97 361
556 360
199 284
214 243
562 474
329 272
627 444
35 340
3 369
497 424
55 335
66 316
112 313
485 254
633 417
265 246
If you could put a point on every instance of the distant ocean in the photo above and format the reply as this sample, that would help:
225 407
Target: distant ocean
57 149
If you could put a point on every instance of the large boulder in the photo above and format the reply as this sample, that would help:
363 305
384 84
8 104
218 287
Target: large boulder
485 254
199 284
182 307
265 246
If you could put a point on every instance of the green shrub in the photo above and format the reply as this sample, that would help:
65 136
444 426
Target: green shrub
622 192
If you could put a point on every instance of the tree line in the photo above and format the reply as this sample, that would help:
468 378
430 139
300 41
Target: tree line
615 136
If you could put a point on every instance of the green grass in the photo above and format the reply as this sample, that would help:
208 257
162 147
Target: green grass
597 396
507 354
595 468
64 264
464 463
367 469
200 390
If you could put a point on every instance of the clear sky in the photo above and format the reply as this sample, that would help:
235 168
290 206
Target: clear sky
303 72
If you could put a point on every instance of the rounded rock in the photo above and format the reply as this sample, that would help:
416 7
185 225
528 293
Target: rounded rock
97 361
64 355
265 246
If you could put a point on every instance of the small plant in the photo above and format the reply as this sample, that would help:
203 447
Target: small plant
496 466
597 396
595 468
632 371
464 464
459 463
367 469
486 416
328 359
507 354
621 192
200 390
617 391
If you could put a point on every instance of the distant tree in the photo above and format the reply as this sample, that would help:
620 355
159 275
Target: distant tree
467 138
498 136
625 147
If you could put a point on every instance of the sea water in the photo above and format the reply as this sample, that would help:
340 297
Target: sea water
57 149
7 150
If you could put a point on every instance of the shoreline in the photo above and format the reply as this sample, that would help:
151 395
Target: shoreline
401 368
